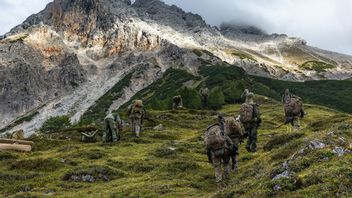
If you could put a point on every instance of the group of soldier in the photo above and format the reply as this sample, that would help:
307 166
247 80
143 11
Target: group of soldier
221 139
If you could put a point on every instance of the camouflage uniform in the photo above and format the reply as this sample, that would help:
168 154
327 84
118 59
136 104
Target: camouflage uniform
295 120
111 133
136 119
204 94
244 94
252 127
221 160
177 102
236 140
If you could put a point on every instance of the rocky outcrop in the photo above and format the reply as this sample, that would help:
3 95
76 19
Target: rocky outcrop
63 59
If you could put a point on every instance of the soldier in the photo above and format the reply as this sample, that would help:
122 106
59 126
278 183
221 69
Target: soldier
293 107
234 131
204 94
136 114
244 94
177 102
219 149
112 125
250 119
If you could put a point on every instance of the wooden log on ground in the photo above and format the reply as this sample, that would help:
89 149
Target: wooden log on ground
12 141
16 147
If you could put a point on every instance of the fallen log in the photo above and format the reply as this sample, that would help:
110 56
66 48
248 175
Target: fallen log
16 147
12 141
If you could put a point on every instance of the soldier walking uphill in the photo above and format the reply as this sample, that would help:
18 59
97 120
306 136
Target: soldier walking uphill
136 114
293 107
204 94
250 119
219 151
177 102
112 126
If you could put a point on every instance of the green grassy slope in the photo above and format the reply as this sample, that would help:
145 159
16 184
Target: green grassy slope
172 162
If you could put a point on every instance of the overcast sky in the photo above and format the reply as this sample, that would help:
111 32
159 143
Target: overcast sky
323 23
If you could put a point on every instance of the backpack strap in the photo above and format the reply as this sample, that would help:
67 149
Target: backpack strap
216 124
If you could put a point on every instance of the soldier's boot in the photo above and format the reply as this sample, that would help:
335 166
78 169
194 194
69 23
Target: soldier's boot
248 146
253 141
137 130
227 170
114 137
296 124
235 164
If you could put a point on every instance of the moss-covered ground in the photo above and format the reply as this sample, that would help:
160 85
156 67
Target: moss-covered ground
172 162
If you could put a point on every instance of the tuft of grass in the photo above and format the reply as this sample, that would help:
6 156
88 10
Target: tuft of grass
40 164
280 140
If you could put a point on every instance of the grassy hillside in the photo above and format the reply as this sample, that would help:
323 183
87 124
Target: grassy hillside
172 163
233 80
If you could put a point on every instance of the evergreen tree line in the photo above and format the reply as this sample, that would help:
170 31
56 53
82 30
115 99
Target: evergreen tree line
218 96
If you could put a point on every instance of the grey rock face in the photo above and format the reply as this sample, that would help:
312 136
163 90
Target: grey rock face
168 15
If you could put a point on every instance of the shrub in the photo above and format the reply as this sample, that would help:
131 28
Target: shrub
190 98
233 92
216 98
56 123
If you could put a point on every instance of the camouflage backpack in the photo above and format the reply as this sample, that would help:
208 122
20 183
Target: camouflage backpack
137 107
177 99
214 139
293 107
204 92
246 113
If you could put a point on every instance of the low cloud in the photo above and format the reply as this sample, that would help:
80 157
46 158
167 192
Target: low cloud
323 23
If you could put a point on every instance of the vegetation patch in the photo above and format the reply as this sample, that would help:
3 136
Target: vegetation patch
165 152
317 66
55 124
93 154
20 120
197 52
96 113
244 56
6 155
279 140
12 177
181 166
39 164
17 38
93 173
158 96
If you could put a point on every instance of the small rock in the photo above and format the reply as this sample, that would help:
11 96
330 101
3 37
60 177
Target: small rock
331 133
316 145
75 178
160 127
342 140
284 174
172 148
106 178
25 188
339 151
88 178
277 187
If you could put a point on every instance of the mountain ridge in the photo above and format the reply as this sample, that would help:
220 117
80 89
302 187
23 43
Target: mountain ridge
75 51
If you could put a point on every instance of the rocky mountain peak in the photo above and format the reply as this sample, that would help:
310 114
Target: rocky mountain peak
164 14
